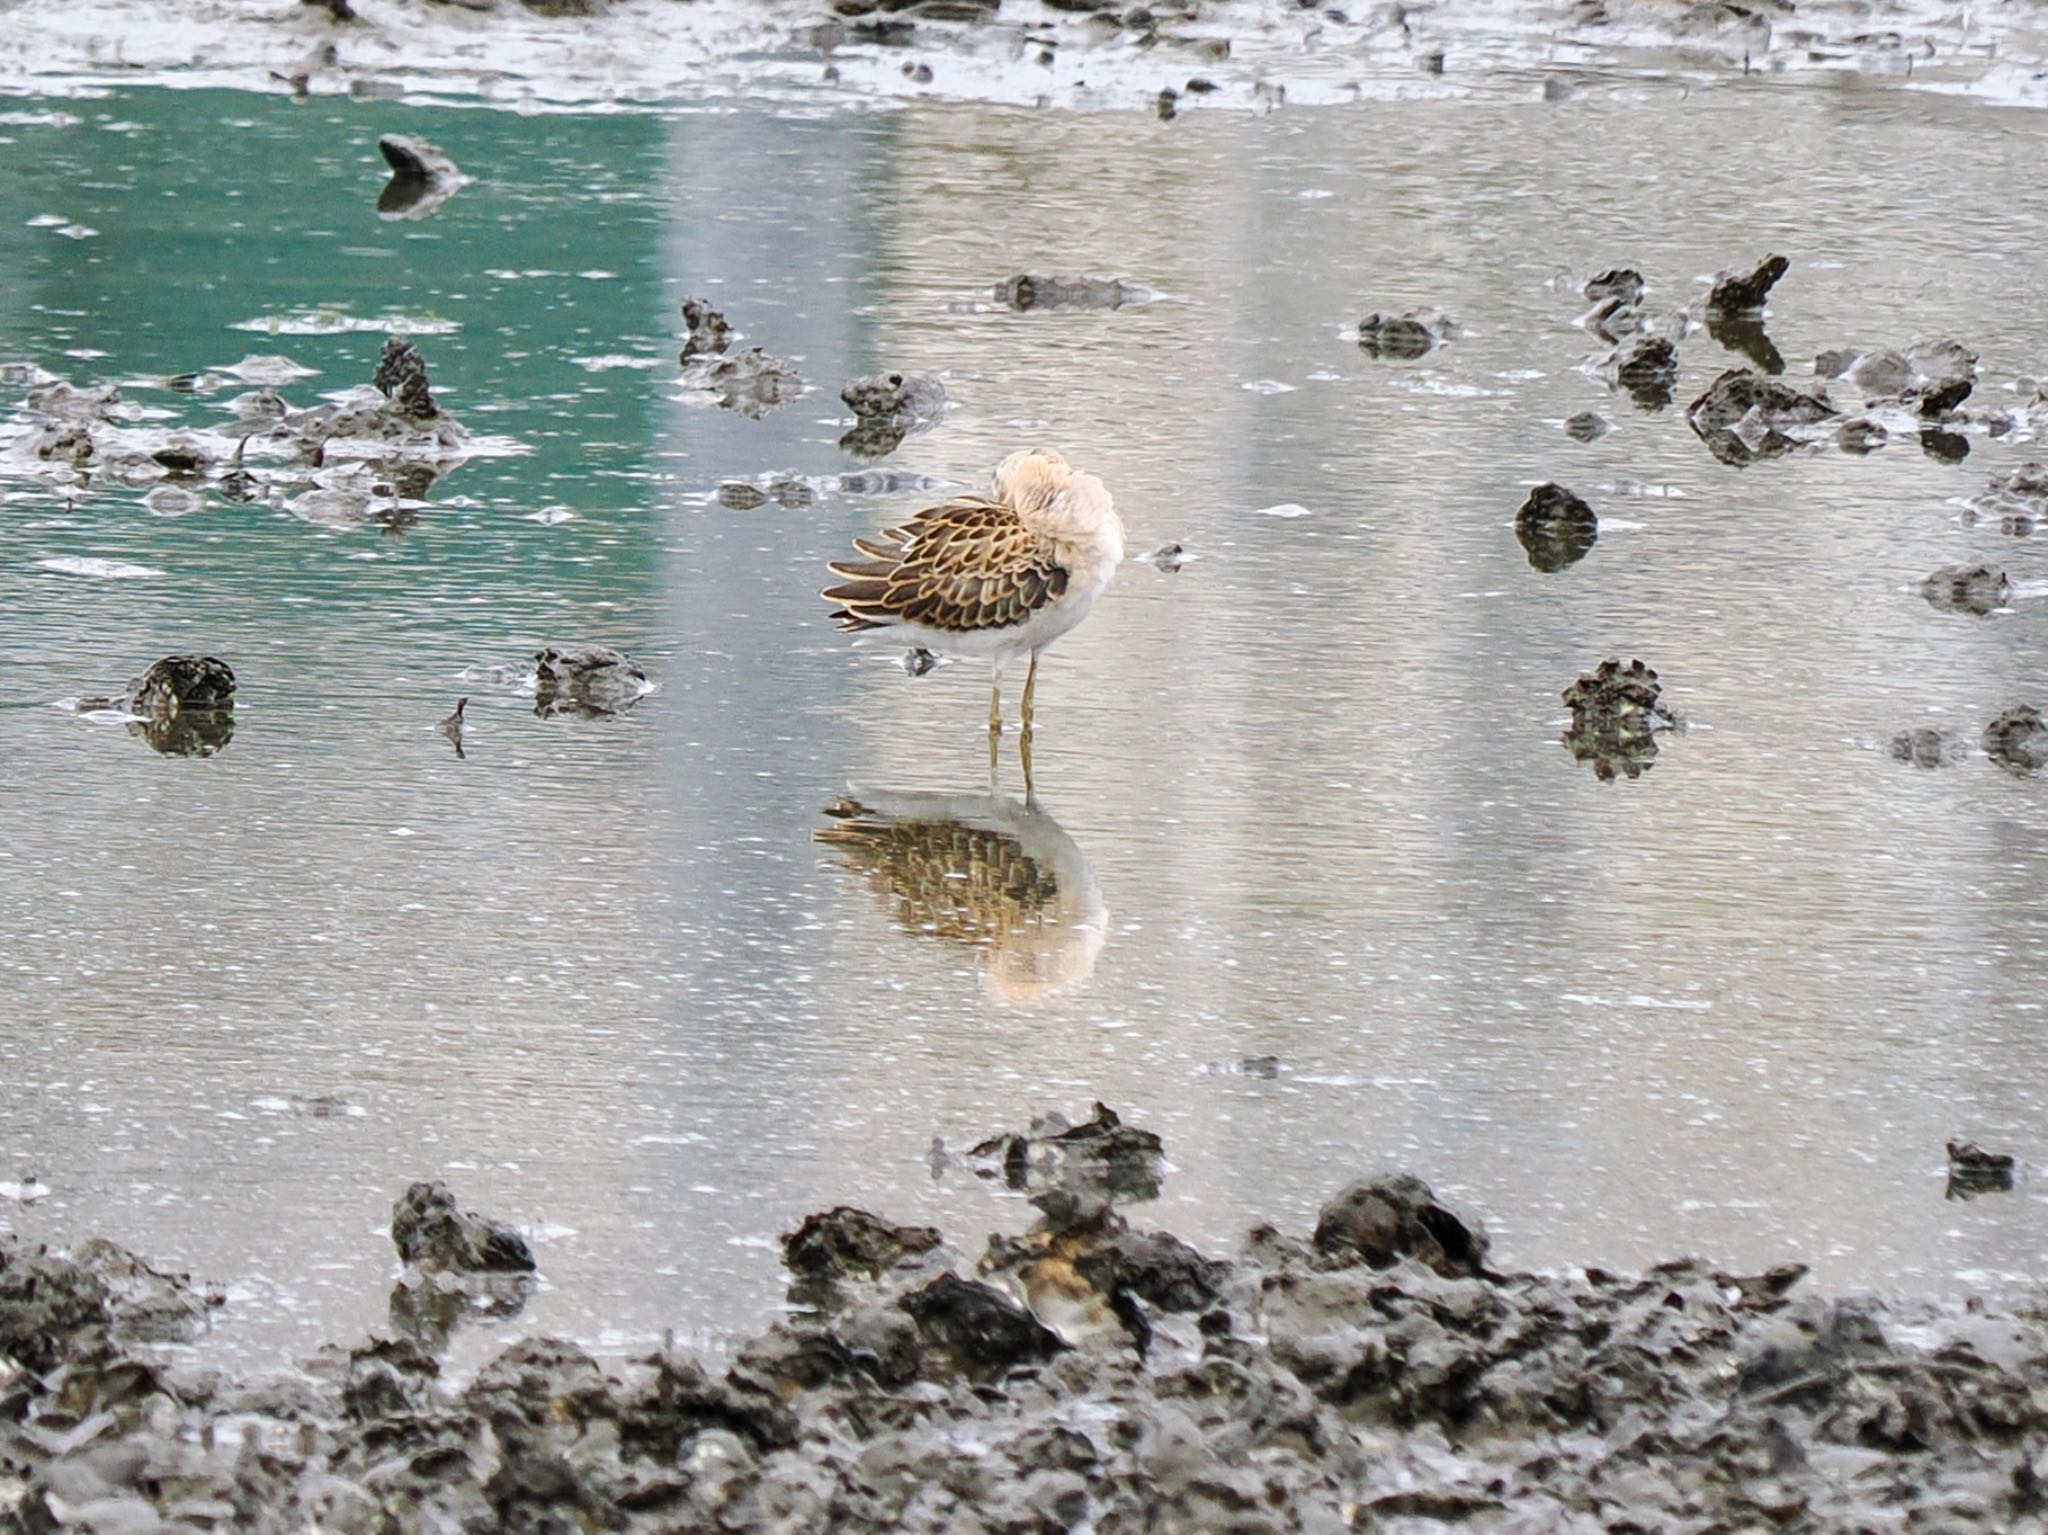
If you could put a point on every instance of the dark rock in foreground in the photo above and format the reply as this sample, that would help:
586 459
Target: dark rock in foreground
1555 527
185 704
1085 1376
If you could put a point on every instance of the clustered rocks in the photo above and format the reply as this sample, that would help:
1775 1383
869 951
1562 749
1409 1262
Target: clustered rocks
750 381
1380 1373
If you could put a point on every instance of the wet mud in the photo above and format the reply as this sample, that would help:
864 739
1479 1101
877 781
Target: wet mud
1381 1371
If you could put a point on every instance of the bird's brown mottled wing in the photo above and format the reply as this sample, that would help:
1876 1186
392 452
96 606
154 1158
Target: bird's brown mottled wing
964 565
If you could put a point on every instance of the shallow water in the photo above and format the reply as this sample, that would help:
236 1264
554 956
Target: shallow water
1304 799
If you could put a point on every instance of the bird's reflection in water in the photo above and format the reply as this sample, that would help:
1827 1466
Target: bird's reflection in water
983 870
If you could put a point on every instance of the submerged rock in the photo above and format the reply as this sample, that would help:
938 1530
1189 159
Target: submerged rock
1024 292
433 1234
586 679
1616 712
2016 497
2018 739
1744 416
1587 426
909 398
1555 527
1926 747
1623 284
1103 1154
1977 589
1933 377
1405 336
751 382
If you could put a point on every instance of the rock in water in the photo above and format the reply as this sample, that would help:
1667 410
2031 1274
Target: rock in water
909 398
1025 292
433 1234
847 1243
1744 416
1735 292
587 679
401 377
708 331
1977 589
422 178
1555 527
2018 739
180 683
1615 716
1405 336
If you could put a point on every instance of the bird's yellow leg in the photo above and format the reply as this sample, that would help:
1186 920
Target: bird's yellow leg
1030 682
995 708
1024 757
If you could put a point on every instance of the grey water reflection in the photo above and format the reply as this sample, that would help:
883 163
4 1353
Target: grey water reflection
993 873
599 974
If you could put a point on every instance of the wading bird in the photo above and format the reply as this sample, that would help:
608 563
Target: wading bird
996 577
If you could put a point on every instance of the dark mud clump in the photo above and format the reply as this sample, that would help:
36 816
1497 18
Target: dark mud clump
1745 416
1587 426
1405 337
587 680
1082 1375
1555 527
1103 1155
845 1243
2018 739
1616 714
1025 292
1973 589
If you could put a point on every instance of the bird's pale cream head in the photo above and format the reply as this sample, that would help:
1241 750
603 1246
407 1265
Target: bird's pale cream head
1061 501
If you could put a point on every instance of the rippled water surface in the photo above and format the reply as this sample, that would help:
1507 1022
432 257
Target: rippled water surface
1304 799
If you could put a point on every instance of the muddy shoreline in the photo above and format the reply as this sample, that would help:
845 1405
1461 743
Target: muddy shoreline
1375 1373
1168 58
